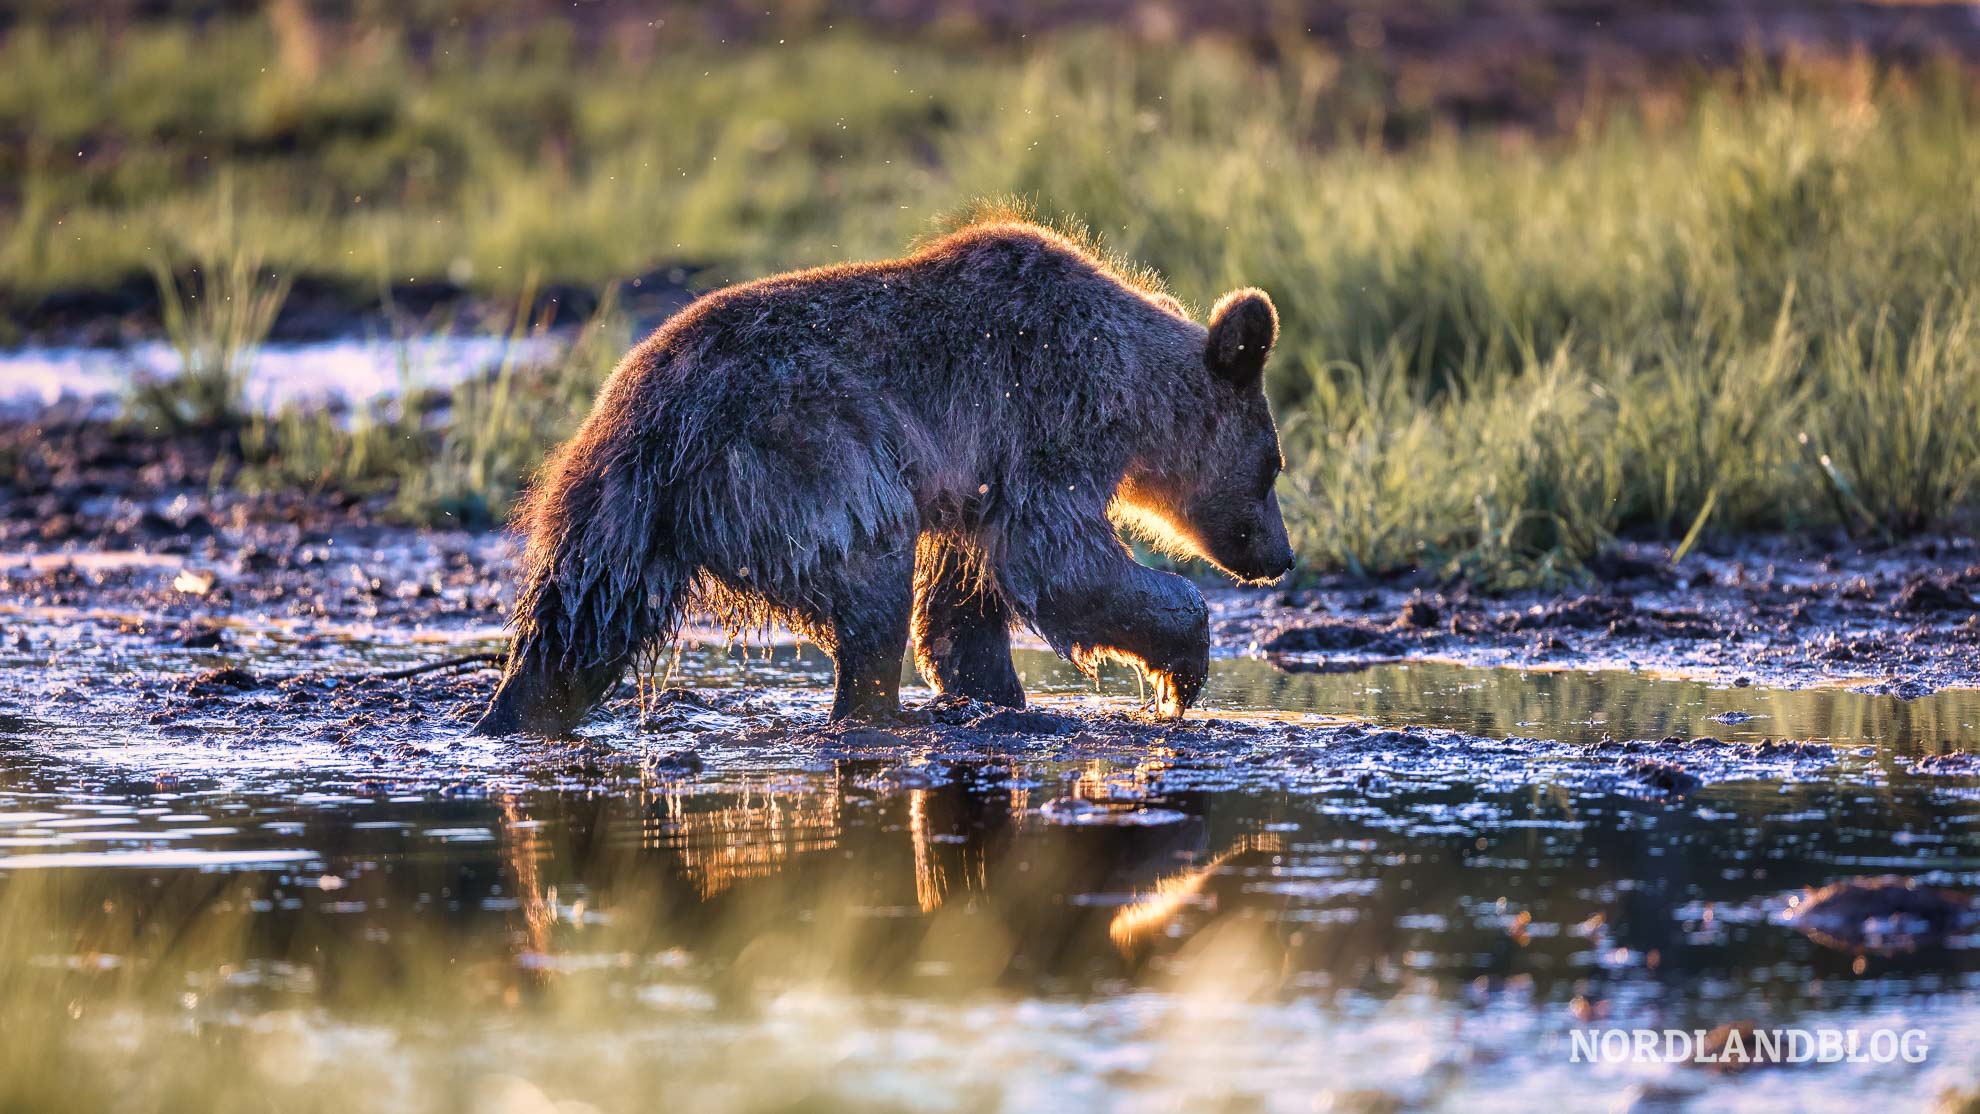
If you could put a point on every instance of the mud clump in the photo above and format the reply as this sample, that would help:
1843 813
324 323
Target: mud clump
1586 613
1419 614
1551 642
1883 915
1952 763
676 762
1336 637
868 738
363 713
1011 721
1613 615
1080 812
1909 688
1666 779
680 699
200 635
1781 610
1620 566
961 712
1927 595
222 682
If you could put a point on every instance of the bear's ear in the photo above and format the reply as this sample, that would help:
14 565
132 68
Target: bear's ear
1243 328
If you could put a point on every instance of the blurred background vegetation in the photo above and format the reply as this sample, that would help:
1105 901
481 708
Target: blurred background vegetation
1551 273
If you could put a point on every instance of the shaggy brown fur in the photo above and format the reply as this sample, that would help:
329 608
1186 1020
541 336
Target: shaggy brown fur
939 445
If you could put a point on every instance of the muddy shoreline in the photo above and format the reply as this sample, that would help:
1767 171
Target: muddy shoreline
1780 611
105 522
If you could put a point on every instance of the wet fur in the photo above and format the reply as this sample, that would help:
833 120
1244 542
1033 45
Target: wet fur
929 446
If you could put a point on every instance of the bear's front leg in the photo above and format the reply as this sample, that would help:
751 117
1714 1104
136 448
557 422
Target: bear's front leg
962 628
1102 603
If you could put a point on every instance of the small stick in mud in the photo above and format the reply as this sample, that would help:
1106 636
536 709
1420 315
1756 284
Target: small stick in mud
436 666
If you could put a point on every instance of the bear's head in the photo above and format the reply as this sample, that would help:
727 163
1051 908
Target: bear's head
1209 492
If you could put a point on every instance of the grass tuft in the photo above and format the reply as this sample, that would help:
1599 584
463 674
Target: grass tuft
216 316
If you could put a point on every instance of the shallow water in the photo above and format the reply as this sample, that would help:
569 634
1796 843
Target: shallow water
220 919
352 369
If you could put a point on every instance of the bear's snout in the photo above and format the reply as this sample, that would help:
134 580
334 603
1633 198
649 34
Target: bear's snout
1268 550
1269 563
1280 563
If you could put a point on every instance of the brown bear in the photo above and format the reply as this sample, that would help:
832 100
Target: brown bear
940 445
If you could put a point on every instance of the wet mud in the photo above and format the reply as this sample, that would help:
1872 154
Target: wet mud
1790 612
104 518
321 629
1412 838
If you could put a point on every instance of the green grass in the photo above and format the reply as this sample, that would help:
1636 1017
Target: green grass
218 300
456 457
1745 310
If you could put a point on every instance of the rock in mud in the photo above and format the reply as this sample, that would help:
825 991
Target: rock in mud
1884 915
1953 763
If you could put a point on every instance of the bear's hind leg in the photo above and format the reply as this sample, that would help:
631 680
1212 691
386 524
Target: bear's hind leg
869 632
962 628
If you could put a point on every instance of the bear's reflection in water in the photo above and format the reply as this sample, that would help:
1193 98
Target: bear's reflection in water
946 881
978 880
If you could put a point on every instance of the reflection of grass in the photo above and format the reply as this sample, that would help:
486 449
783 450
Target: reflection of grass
1497 355
1582 706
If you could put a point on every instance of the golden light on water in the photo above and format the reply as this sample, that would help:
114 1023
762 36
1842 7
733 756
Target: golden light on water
1139 921
522 847
930 885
